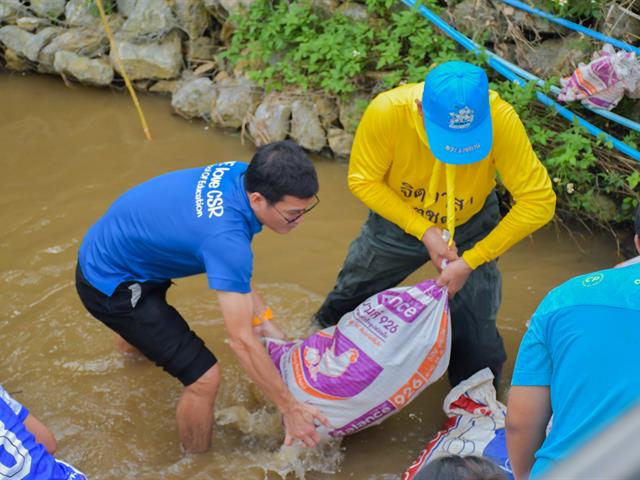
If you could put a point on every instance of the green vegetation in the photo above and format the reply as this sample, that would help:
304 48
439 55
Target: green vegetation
281 43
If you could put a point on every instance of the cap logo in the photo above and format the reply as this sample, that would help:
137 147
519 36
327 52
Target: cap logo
462 119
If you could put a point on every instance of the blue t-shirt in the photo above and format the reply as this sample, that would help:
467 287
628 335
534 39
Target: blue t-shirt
175 225
583 343
21 457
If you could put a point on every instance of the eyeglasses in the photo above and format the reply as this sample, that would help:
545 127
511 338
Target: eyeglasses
302 212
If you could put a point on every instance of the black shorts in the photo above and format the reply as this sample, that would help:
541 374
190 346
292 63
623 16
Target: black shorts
139 313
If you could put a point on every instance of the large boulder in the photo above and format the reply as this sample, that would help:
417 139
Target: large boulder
201 49
354 11
9 10
24 43
193 98
270 123
557 56
86 42
14 62
193 18
125 7
48 8
306 128
221 9
80 13
340 142
161 60
150 19
235 99
86 70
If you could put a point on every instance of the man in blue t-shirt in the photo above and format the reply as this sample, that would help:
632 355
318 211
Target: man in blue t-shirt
27 446
578 361
185 223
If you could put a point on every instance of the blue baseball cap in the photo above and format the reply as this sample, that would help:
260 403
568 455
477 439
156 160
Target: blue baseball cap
457 118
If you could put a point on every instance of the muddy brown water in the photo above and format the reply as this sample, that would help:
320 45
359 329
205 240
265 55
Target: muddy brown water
66 154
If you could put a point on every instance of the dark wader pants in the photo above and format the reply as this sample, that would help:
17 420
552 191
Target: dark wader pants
383 256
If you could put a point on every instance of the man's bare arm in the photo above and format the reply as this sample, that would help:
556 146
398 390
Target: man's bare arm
528 413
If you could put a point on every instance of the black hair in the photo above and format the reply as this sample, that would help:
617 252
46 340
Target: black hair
638 220
455 467
281 168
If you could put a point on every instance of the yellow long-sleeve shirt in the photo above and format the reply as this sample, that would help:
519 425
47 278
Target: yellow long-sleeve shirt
393 171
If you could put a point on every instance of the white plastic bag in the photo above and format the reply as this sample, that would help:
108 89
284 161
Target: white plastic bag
374 361
475 426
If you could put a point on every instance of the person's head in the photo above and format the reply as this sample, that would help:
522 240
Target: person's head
455 467
456 114
637 236
282 185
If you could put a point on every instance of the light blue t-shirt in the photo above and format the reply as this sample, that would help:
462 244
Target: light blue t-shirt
583 342
21 457
179 224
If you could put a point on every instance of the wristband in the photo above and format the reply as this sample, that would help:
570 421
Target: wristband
259 319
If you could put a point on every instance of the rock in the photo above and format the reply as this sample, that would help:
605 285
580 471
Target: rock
193 98
9 10
24 43
48 8
340 142
201 49
30 24
164 87
234 100
88 43
324 8
327 108
619 24
81 13
306 128
475 17
149 19
354 11
221 9
193 18
86 70
605 208
533 23
161 60
270 123
125 7
351 110
557 56
15 62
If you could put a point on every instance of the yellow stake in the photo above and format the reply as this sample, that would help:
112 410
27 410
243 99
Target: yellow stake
451 197
127 82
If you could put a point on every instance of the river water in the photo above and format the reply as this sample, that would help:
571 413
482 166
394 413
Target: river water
66 154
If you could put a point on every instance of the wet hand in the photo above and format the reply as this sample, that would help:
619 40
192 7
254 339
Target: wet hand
269 329
454 276
438 248
299 424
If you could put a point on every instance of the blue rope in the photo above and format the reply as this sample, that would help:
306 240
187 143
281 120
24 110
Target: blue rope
507 73
574 26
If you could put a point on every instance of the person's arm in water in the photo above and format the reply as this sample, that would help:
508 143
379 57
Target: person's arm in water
528 413
298 418
41 432
263 325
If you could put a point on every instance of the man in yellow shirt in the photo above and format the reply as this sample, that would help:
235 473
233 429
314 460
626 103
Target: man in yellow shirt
425 159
